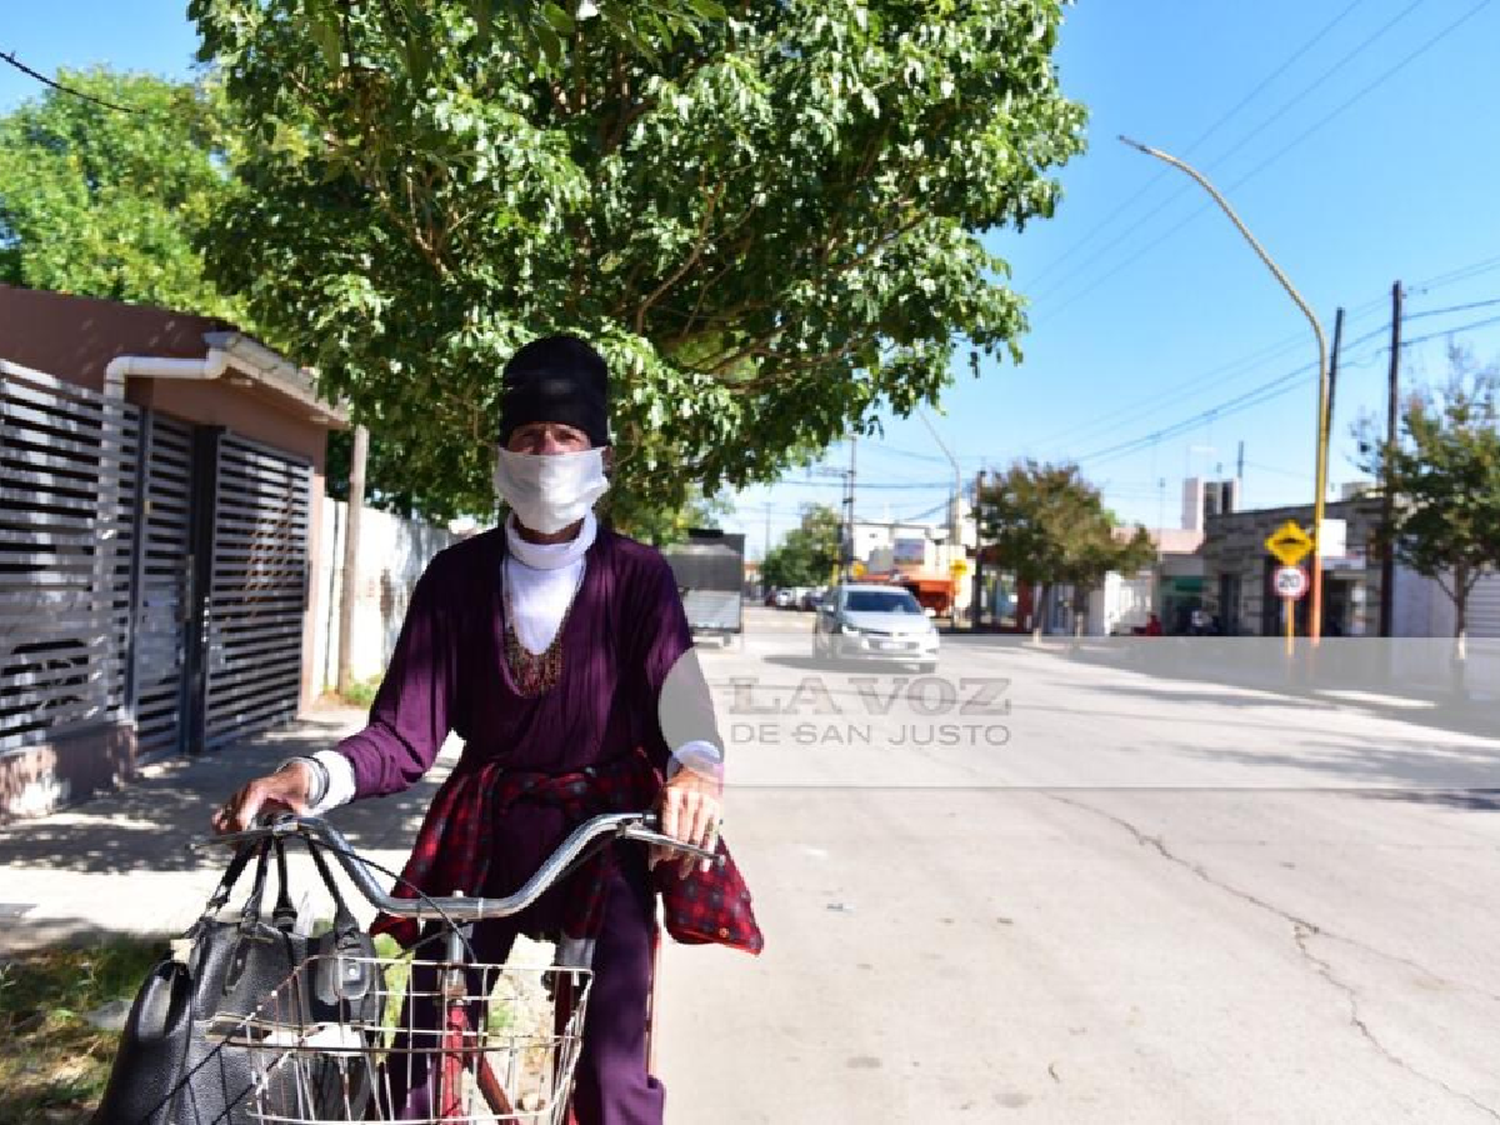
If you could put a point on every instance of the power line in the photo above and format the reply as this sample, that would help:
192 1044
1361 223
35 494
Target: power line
24 69
910 486
1297 99
1363 92
1218 123
1256 396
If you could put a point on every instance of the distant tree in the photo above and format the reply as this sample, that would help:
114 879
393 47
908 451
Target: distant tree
664 526
1050 527
810 551
1444 476
104 203
770 222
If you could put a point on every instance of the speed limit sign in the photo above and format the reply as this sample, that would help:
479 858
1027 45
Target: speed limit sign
1290 581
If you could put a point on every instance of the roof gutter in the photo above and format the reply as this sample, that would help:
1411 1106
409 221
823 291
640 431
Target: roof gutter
254 363
124 367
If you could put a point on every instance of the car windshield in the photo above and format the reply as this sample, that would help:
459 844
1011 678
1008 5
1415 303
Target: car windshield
881 601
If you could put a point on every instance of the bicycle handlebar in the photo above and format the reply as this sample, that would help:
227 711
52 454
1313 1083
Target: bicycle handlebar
458 907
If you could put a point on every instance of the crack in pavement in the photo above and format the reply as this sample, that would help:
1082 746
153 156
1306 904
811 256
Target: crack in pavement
1303 931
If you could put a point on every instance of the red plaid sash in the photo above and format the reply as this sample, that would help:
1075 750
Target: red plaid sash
456 841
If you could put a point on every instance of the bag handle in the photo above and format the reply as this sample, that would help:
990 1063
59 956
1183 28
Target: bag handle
284 914
250 912
343 918
220 898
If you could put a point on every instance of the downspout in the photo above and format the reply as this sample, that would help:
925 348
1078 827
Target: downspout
118 370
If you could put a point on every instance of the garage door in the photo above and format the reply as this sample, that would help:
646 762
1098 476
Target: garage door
257 586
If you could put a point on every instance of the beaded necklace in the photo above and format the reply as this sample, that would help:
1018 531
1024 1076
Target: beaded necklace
535 672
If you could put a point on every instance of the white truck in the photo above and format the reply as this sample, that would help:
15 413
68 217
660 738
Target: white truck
710 571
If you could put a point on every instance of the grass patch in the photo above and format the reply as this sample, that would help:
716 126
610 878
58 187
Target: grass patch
362 692
53 1063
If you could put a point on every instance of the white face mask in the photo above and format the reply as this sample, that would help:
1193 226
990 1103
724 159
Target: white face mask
549 491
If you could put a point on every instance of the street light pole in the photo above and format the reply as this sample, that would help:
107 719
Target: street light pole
1315 630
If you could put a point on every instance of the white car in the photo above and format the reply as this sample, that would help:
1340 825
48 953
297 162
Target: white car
867 621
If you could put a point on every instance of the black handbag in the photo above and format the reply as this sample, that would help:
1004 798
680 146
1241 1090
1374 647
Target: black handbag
191 1053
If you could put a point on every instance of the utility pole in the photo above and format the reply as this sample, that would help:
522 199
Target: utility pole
357 459
978 549
1388 501
853 452
1333 368
1315 630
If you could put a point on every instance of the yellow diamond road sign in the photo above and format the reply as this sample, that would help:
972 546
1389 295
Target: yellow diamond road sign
1289 543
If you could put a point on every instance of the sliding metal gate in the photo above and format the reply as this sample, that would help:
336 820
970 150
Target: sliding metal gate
148 570
255 584
163 589
67 486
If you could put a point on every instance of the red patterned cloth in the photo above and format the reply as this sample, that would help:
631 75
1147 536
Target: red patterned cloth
456 842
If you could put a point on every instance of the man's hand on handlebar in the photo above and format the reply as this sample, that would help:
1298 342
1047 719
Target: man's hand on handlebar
691 811
283 791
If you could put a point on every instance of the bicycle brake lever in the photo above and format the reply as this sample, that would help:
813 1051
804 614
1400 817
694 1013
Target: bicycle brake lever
645 835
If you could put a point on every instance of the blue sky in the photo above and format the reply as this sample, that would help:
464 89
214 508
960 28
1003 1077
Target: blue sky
1357 139
1148 309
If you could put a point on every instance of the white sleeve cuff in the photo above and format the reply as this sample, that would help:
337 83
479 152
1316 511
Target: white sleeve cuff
340 782
698 756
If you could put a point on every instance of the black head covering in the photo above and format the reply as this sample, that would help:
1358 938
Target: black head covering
556 379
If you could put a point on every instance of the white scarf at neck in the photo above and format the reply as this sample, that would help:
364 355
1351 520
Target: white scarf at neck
551 556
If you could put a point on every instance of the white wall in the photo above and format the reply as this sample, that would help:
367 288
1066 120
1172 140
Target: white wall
393 553
1122 602
1423 628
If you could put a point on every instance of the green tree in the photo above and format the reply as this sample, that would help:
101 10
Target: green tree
769 225
104 203
663 526
1444 477
810 551
1050 527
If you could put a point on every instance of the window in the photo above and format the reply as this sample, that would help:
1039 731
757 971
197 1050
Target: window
881 601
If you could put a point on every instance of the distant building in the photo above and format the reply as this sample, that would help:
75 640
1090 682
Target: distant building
1238 570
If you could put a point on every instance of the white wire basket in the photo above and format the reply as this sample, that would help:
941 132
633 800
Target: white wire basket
445 1043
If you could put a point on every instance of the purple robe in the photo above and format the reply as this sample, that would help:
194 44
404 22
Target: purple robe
623 635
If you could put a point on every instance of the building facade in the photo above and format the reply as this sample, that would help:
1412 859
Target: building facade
1238 571
161 485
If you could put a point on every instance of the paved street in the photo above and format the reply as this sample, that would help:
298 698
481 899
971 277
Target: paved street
1067 893
1261 942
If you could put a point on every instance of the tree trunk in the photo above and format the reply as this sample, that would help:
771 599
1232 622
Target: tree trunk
1460 662
1038 613
351 558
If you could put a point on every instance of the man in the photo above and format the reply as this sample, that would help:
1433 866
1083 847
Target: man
559 651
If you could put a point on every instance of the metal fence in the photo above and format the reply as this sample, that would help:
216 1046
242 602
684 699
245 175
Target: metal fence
68 463
151 572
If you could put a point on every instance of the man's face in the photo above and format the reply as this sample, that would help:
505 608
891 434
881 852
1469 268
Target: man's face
547 438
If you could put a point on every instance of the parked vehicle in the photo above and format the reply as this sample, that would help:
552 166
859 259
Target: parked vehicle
710 573
812 598
866 621
785 597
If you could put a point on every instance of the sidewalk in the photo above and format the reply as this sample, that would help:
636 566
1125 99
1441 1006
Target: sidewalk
118 864
1254 664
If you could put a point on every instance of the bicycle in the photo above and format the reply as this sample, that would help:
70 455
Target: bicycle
514 1063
